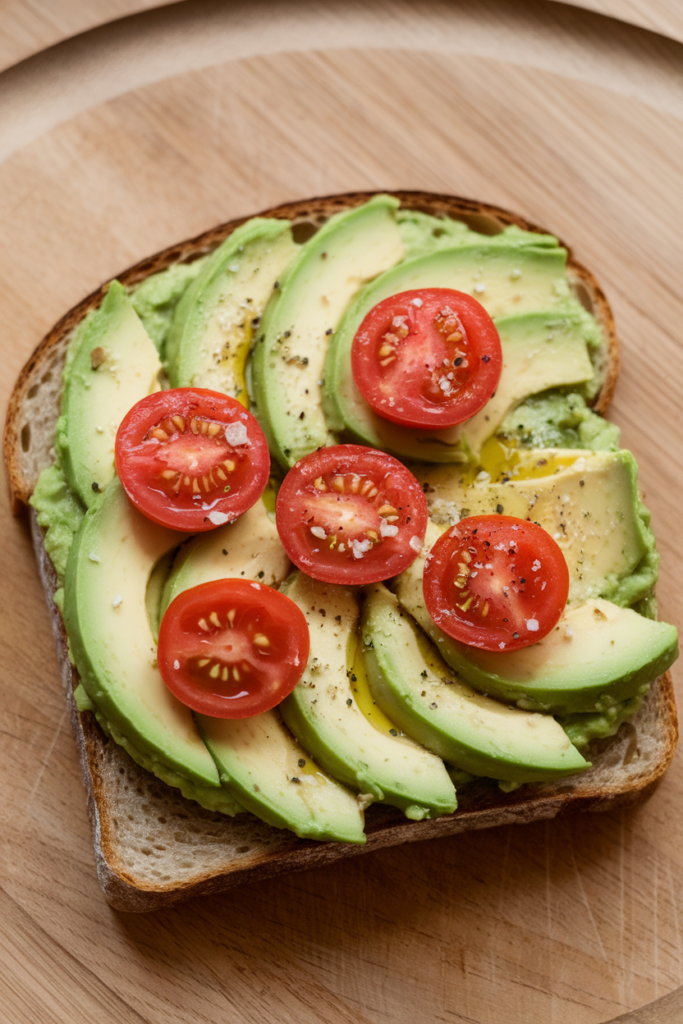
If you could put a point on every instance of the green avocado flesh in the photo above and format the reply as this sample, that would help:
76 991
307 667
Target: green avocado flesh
509 282
598 655
259 761
278 318
113 365
414 686
249 548
324 714
109 566
287 366
212 329
156 299
540 351
60 512
588 502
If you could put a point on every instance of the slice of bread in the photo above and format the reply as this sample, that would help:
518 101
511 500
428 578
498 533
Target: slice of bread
152 846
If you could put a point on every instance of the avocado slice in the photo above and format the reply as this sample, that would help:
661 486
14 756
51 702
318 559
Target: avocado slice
112 365
412 684
324 714
506 279
109 566
214 324
259 761
287 366
249 548
267 771
588 502
598 654
540 351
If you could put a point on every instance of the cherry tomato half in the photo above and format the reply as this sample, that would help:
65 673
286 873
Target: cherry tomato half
350 514
496 582
231 648
427 358
191 459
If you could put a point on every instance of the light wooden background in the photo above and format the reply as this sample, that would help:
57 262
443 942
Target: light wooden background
576 920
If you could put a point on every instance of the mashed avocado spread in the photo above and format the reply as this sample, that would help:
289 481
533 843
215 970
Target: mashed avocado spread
557 418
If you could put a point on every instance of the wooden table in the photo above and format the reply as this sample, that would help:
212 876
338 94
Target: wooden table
187 116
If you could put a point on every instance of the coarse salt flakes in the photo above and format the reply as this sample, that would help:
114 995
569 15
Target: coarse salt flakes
387 529
236 434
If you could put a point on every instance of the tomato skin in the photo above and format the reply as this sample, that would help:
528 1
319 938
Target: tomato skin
212 451
368 512
496 582
428 358
237 625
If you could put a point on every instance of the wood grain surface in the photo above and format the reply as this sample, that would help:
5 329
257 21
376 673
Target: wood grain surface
574 920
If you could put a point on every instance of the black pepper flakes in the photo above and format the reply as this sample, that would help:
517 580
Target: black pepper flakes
349 702
499 509
423 673
301 762
95 487
294 779
393 732
486 359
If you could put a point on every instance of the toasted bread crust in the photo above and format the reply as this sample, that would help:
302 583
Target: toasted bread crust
226 852
620 775
23 469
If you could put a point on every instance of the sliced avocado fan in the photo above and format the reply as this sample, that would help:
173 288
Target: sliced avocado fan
260 763
598 655
414 686
325 714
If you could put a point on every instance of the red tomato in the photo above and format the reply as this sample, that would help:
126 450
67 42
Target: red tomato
191 459
427 358
231 648
350 514
496 582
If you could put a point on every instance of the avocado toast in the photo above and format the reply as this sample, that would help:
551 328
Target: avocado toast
142 860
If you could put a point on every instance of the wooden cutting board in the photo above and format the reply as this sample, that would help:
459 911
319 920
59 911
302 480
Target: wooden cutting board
576 919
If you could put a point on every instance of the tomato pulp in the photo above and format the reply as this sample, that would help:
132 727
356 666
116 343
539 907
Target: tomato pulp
232 648
496 582
427 358
350 514
191 459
